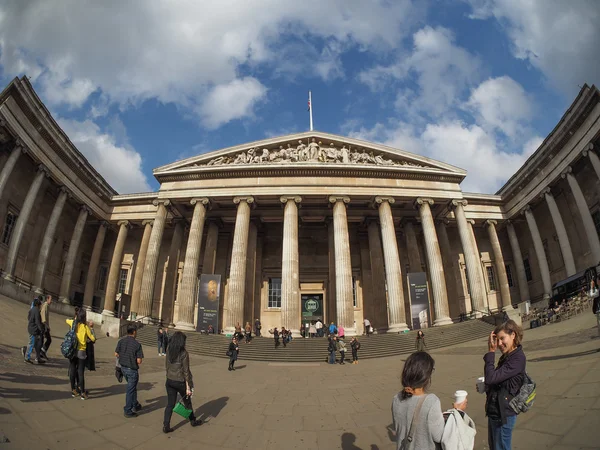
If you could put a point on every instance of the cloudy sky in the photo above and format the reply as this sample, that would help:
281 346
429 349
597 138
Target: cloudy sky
139 84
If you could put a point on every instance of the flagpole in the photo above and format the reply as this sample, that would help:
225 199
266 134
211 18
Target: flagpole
310 109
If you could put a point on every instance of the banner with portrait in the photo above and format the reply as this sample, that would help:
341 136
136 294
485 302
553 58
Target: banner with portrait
209 292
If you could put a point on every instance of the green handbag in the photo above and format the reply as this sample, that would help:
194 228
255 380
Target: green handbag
182 410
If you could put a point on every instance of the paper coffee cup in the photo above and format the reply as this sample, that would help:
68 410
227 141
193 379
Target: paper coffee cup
460 396
481 385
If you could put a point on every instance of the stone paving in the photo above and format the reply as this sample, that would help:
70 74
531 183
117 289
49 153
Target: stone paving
277 405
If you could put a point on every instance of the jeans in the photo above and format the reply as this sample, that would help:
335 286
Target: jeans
332 357
76 374
354 354
174 388
342 357
132 377
500 436
160 347
35 341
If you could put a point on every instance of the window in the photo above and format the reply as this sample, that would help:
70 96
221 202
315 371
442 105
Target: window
596 217
102 278
354 292
527 269
467 281
509 276
547 253
123 281
274 292
81 280
491 277
9 225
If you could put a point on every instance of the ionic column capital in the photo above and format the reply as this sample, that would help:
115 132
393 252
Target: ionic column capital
471 221
380 199
20 146
203 200
164 201
65 190
147 222
526 209
86 209
103 223
457 202
126 223
566 172
43 168
491 222
247 199
286 198
339 198
420 201
546 191
588 149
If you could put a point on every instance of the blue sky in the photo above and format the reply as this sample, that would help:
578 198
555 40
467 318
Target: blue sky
136 85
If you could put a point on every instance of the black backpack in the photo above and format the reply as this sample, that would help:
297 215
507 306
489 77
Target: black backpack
69 346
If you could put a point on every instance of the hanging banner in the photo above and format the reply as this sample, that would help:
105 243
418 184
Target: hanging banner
209 292
419 300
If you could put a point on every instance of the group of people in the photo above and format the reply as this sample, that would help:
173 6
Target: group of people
162 336
337 344
38 328
418 413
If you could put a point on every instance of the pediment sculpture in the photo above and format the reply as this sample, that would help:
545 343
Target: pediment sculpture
312 153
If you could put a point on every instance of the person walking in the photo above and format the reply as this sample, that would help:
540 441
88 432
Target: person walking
341 347
247 332
312 330
179 380
595 296
367 324
159 340
130 355
420 342
233 352
35 328
355 345
414 411
276 337
331 348
77 363
257 327
46 339
319 328
503 382
238 332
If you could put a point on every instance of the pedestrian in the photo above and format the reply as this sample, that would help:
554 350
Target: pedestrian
159 339
257 327
130 355
332 329
46 337
595 296
35 328
319 328
341 332
284 336
420 342
414 411
367 323
276 337
90 354
312 330
247 332
179 380
238 332
77 363
503 382
166 338
355 345
341 347
331 349
233 352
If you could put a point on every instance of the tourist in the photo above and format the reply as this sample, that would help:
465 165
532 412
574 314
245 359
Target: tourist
331 348
332 329
233 352
319 328
276 337
284 335
596 306
159 337
503 382
90 354
247 332
341 347
166 338
130 355
35 328
257 327
210 330
46 338
238 332
77 363
341 332
312 330
355 345
367 324
414 407
420 342
179 380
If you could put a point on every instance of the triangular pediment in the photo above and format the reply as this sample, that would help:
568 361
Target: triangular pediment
309 148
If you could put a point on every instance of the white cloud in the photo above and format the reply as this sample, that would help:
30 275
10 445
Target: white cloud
558 37
120 165
175 50
501 104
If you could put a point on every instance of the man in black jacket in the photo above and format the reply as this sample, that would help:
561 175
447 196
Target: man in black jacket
35 328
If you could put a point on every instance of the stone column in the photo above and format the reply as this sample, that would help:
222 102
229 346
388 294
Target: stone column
210 252
379 320
189 279
168 303
8 167
473 263
343 265
48 240
482 274
90 282
452 274
393 270
250 272
499 264
518 258
539 252
234 304
114 271
65 283
412 247
434 262
290 267
19 229
561 232
139 270
589 151
586 217
331 313
149 277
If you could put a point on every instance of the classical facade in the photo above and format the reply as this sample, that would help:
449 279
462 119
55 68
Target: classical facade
309 214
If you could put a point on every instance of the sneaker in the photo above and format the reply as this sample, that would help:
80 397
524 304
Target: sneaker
23 351
28 361
167 429
74 393
130 416
39 361
196 422
84 396
138 407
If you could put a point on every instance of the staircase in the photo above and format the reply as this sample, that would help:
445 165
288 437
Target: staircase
315 350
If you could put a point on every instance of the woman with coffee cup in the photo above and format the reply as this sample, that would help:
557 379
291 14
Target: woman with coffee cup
503 382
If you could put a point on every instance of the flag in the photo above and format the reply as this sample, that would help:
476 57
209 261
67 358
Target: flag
308 105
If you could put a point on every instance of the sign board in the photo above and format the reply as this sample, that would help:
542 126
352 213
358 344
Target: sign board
209 293
312 305
419 300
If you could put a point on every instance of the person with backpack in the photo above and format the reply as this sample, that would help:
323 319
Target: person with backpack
129 355
77 361
35 328
179 380
417 416
503 382
355 345
331 347
332 329
341 347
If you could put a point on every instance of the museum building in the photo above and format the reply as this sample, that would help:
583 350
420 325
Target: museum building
342 225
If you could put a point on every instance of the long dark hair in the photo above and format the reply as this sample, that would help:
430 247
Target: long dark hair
81 316
417 372
176 346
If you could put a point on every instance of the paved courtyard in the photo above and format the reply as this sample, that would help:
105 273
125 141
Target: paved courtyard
276 405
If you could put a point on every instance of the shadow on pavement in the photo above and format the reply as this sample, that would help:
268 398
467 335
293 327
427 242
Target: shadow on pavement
5 411
32 379
211 409
570 355
243 366
348 440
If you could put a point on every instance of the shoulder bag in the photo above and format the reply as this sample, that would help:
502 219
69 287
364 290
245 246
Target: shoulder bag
407 442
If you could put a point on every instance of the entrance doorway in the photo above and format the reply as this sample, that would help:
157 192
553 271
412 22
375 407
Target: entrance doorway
312 308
